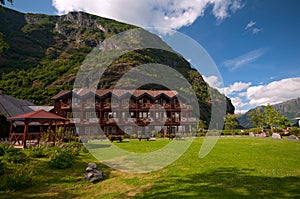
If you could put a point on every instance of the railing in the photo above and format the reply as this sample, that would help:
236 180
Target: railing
93 120
65 106
192 119
106 106
74 120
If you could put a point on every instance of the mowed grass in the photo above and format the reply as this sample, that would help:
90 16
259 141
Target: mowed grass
235 168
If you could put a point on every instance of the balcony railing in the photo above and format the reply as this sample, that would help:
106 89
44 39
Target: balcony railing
93 120
65 106
192 119
75 120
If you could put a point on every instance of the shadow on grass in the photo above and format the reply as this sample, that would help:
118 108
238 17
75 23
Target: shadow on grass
58 183
224 183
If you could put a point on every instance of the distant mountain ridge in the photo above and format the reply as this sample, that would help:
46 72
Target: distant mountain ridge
290 109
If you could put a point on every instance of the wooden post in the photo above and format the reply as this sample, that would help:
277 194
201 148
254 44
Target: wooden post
10 132
25 133
54 137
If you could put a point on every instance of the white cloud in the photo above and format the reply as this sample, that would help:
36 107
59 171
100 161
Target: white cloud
237 87
274 92
213 81
238 102
244 96
244 59
250 24
170 14
256 30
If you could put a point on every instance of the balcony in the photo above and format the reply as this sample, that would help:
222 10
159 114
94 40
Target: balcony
93 120
75 120
132 105
110 120
106 106
145 106
65 106
192 119
89 105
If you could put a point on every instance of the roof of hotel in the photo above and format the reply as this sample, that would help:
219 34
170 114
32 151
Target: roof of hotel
119 93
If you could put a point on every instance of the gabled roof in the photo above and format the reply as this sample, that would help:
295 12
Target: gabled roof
11 106
37 116
118 92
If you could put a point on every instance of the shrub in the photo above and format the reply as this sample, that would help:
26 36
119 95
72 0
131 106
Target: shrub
38 152
294 131
15 155
2 167
19 178
76 147
4 147
62 158
201 133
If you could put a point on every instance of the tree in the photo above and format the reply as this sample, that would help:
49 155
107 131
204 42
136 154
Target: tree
3 45
202 124
256 118
270 117
283 122
231 122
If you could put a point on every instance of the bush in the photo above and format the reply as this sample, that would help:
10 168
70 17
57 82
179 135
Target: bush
2 167
76 147
62 158
19 178
15 155
294 131
38 152
3 148
201 133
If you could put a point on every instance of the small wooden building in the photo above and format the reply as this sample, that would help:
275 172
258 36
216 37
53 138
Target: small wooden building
40 118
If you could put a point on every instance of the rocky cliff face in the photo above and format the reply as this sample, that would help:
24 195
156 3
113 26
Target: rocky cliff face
45 53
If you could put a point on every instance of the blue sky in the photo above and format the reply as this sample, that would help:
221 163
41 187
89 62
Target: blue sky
254 43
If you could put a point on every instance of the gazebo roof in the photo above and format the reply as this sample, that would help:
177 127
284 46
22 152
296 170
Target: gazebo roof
37 116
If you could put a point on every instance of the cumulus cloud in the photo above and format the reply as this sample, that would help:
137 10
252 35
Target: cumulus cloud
237 87
170 14
238 102
274 92
244 59
213 81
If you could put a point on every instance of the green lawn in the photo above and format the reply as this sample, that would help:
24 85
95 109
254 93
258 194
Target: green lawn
235 168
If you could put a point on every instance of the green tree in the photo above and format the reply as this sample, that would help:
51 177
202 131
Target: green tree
231 122
202 124
256 118
3 45
270 117
283 122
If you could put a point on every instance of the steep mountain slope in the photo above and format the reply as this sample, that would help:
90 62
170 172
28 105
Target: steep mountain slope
45 52
290 109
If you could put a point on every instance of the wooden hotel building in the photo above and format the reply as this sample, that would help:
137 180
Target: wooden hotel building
119 112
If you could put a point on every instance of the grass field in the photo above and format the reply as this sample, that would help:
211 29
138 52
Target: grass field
235 168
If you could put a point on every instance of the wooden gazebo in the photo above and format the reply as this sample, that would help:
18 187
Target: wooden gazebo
40 117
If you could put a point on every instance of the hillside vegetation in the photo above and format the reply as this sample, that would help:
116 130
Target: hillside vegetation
41 55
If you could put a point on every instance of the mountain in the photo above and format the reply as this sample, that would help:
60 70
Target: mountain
290 109
41 54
